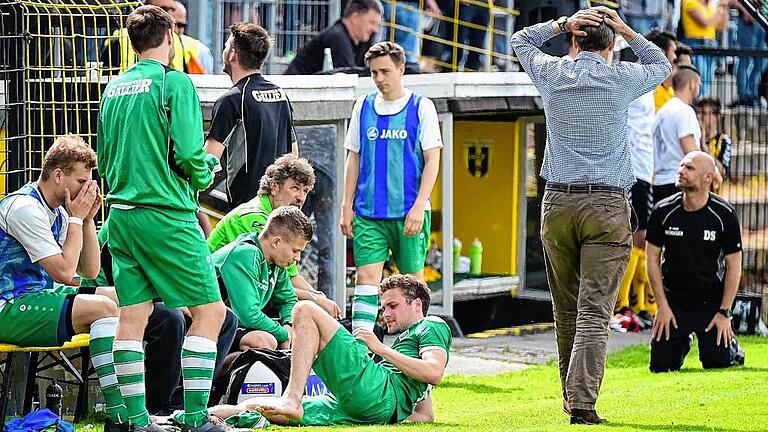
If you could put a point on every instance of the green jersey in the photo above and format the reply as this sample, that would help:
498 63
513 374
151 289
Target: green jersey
424 335
249 217
101 279
252 284
150 140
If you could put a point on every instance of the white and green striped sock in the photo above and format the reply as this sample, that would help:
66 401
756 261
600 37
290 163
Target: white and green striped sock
365 306
129 367
198 359
102 338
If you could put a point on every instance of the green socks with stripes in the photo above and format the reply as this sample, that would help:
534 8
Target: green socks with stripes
198 358
129 366
365 307
102 337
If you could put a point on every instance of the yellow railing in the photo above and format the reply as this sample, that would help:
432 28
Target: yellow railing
61 74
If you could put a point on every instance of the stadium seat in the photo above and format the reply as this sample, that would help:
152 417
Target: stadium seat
51 357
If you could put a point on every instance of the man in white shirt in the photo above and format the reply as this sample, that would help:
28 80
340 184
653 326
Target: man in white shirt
676 132
393 156
47 234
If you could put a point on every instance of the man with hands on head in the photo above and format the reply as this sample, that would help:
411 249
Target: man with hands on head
585 217
363 391
47 235
697 233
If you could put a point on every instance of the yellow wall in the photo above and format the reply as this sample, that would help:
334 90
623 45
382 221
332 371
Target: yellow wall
486 206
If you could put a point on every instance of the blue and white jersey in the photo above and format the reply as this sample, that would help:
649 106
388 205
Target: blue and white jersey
29 232
390 137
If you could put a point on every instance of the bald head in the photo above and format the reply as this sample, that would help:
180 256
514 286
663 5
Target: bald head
697 172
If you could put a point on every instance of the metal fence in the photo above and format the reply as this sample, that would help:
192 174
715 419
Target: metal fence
291 24
51 77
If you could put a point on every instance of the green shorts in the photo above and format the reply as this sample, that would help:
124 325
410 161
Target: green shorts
155 255
374 238
361 389
42 319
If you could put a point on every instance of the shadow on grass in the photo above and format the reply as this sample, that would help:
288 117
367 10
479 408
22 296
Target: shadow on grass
480 388
671 427
733 369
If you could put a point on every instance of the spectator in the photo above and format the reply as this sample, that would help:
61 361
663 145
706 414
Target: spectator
643 15
197 56
667 42
675 132
715 142
402 25
348 38
694 263
749 69
253 121
701 20
474 38
684 55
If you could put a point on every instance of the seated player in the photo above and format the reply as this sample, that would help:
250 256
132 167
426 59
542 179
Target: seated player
47 234
286 182
253 275
163 338
363 391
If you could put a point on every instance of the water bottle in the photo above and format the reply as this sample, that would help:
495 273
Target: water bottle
456 254
327 60
475 257
53 397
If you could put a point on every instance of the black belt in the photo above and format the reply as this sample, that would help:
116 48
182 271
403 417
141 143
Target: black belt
583 188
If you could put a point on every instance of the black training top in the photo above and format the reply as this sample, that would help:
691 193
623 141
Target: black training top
694 245
343 51
268 120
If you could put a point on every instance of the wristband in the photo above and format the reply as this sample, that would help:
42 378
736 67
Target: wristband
75 220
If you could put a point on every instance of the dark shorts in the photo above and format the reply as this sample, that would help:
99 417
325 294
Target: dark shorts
641 199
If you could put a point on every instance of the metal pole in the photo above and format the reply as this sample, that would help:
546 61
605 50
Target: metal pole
446 126
340 245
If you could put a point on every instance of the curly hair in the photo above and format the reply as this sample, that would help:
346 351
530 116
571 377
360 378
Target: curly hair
411 287
65 152
285 167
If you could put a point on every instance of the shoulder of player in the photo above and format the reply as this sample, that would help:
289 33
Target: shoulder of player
720 205
668 204
178 79
432 321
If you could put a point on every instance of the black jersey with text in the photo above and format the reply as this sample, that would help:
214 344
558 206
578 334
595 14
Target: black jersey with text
262 112
694 245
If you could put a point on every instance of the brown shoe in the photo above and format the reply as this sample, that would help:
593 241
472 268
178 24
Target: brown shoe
588 417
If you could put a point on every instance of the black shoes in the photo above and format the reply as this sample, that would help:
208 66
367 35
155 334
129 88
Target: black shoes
110 426
586 417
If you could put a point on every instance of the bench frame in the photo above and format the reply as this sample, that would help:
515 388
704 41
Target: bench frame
41 361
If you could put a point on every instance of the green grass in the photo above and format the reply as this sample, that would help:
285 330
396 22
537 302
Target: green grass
632 398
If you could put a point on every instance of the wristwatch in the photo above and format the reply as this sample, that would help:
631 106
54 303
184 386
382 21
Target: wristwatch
561 23
725 312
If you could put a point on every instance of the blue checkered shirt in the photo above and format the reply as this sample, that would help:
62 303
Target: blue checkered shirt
585 105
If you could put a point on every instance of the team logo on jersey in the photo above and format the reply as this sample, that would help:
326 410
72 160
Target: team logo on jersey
399 134
477 157
273 95
709 235
130 88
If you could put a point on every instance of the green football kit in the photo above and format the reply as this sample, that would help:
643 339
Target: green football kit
366 392
252 284
150 147
249 217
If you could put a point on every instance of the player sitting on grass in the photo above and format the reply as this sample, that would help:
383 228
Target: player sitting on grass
363 391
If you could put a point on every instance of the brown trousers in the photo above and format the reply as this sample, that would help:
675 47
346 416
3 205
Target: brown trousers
587 241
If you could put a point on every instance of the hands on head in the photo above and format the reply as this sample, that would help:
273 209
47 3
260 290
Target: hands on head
594 17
